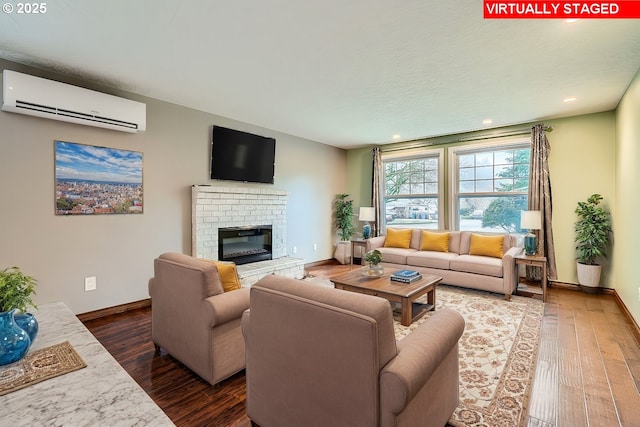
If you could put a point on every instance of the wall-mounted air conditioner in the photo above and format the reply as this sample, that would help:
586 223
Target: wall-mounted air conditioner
25 94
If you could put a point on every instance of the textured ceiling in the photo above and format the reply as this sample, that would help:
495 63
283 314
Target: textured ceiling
344 73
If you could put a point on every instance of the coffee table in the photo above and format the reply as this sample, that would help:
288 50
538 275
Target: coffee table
404 293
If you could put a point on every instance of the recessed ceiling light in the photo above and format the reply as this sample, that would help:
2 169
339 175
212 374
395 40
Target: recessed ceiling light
569 99
396 136
487 121
571 20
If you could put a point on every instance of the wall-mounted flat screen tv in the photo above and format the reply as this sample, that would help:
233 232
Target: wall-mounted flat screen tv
242 156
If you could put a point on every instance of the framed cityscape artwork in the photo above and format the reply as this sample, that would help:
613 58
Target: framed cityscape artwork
94 180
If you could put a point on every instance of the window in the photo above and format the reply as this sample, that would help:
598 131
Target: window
412 188
489 186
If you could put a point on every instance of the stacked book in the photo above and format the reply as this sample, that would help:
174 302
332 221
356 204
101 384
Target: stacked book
406 276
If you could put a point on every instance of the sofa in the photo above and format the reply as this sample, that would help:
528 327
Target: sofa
194 319
461 258
320 356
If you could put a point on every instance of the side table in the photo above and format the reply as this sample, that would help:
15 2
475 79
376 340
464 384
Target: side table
361 243
535 261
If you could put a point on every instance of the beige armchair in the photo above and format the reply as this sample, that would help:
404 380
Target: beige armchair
326 357
194 320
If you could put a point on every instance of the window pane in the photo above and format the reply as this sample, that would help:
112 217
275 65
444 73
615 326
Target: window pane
484 159
419 212
503 157
467 186
466 160
503 185
484 186
484 172
431 188
499 214
466 173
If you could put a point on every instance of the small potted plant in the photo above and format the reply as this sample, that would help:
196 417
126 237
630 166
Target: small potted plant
16 330
593 230
374 269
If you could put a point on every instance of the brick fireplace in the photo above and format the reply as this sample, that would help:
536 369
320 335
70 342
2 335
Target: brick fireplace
213 208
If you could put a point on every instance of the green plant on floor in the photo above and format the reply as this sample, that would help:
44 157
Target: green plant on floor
593 230
344 215
373 257
16 289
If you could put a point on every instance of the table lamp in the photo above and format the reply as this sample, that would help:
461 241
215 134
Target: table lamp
530 220
367 214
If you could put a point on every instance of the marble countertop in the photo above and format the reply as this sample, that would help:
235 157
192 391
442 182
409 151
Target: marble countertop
102 394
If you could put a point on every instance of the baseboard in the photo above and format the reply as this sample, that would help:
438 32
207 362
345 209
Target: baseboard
635 328
319 263
92 315
563 285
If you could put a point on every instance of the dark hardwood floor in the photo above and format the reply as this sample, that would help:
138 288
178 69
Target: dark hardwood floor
588 371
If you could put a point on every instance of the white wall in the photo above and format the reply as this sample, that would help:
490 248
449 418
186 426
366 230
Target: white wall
119 250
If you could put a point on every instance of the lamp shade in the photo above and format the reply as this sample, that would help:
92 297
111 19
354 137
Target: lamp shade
367 214
530 220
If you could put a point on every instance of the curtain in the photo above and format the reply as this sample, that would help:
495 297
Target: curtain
375 191
540 199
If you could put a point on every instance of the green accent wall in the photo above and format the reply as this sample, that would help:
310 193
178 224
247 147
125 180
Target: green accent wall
625 222
582 162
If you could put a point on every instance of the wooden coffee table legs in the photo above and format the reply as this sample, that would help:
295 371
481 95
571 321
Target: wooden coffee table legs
412 311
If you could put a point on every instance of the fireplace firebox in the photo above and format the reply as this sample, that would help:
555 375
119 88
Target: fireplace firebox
243 245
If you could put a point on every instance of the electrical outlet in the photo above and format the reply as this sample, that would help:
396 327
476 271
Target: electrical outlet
315 246
90 283
295 249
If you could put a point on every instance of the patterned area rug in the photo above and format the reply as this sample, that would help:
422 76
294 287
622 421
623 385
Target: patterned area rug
498 352
39 365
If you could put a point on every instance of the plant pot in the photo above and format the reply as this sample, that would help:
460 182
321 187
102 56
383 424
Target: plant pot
589 277
343 252
14 342
372 271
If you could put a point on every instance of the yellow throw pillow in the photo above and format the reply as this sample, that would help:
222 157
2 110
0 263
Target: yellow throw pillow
431 241
486 245
228 275
398 238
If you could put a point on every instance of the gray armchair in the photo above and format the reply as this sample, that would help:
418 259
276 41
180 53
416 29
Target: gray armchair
194 320
326 357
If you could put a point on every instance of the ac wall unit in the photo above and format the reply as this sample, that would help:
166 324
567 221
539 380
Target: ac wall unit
35 96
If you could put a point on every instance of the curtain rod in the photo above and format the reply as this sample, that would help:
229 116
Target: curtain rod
467 139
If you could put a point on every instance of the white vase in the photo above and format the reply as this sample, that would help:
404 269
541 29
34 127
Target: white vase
589 276
343 252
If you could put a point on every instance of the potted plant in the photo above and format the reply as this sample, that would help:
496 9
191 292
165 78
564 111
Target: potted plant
16 331
374 258
593 230
344 223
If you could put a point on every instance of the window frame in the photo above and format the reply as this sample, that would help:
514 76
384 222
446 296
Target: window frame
415 154
453 171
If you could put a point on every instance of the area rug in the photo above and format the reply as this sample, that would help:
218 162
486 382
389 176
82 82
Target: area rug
498 352
39 365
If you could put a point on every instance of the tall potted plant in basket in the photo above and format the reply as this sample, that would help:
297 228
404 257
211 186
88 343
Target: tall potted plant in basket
344 223
593 230
17 331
